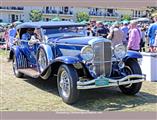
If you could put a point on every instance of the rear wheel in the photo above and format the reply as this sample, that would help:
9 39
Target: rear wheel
67 84
131 67
16 72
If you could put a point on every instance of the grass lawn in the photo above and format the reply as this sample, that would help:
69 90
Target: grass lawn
27 94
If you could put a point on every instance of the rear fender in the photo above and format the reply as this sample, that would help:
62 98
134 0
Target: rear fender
14 51
20 59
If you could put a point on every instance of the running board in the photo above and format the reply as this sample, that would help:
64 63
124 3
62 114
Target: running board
32 72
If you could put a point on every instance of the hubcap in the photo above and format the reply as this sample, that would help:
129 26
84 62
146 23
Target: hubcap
42 60
65 84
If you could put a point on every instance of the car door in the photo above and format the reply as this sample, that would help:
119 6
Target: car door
29 51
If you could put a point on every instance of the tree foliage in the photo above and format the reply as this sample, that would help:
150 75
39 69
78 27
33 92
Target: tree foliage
35 15
82 16
151 10
126 17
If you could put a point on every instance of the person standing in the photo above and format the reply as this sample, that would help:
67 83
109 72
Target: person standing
134 37
152 34
6 37
116 35
12 34
102 30
125 29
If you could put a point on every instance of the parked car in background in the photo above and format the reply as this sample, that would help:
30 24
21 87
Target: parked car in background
79 62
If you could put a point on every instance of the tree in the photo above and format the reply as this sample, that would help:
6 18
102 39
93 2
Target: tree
126 17
82 16
55 18
35 15
150 11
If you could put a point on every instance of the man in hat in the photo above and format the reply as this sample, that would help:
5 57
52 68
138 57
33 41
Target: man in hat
116 35
134 36
152 34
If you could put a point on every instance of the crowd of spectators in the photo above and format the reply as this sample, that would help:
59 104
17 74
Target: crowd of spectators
134 35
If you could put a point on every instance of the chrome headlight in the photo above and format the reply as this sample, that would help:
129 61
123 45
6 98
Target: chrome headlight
87 53
120 51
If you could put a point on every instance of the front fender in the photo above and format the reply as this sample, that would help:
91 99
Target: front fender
133 55
62 60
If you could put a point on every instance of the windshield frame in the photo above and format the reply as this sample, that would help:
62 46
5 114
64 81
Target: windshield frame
79 32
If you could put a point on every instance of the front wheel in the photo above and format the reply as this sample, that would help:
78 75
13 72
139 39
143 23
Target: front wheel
131 67
67 83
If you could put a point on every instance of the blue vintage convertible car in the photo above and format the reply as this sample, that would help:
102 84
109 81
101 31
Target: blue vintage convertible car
78 62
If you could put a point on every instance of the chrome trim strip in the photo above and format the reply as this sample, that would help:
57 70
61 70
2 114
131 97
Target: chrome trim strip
22 61
69 44
101 61
110 85
112 80
97 40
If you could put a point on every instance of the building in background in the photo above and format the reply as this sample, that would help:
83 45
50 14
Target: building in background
66 10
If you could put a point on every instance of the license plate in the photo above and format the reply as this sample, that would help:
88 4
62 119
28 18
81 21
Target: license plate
102 81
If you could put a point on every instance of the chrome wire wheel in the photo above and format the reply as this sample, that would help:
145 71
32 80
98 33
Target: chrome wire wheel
65 83
67 78
42 60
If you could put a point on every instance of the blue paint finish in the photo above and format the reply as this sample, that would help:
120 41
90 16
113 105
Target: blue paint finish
75 40
65 50
132 54
49 24
29 54
17 52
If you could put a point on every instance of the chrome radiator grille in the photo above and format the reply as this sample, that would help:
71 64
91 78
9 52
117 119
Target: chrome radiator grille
102 58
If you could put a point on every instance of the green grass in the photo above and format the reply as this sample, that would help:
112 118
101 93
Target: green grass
27 94
3 52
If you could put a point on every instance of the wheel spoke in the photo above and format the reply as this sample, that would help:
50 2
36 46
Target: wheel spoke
64 84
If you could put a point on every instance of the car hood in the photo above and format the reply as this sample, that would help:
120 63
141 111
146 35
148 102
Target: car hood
79 40
75 40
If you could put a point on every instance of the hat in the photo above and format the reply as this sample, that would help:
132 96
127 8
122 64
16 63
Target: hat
116 23
133 22
154 14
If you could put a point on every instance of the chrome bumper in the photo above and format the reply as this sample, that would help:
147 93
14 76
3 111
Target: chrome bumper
108 82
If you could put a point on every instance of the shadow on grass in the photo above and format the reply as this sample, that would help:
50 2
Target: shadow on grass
104 99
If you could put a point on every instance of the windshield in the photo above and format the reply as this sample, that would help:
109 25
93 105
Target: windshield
64 31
